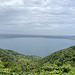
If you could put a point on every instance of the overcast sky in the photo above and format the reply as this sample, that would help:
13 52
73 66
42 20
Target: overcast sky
48 17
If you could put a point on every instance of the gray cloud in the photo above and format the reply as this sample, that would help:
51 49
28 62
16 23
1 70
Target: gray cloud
41 17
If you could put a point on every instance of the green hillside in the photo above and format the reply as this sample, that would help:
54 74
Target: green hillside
61 57
61 62
12 55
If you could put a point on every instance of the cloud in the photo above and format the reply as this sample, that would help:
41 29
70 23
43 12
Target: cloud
31 16
11 3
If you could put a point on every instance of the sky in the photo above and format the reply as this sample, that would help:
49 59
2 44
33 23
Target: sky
44 17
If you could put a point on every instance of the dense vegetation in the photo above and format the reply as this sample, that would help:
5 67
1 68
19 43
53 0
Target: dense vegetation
61 62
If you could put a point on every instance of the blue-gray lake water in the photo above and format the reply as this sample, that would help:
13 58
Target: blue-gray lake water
35 46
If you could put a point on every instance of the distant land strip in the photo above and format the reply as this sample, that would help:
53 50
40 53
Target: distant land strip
36 36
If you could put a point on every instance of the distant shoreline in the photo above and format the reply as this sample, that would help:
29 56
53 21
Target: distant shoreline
36 36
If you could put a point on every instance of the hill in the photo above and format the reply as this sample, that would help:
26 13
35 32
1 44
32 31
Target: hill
12 55
60 57
61 62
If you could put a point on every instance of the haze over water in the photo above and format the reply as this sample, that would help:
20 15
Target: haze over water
35 46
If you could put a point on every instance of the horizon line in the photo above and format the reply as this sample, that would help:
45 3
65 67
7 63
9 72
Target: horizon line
37 36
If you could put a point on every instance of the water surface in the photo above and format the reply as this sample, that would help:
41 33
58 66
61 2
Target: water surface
35 46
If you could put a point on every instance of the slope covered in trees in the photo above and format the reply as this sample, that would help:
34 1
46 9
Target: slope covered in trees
12 55
61 62
61 57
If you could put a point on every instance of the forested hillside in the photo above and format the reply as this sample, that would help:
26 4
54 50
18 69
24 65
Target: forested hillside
12 55
61 62
65 56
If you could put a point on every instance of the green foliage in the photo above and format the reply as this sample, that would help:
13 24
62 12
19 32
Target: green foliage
13 56
58 63
60 57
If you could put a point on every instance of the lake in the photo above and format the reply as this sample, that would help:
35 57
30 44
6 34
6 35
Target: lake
35 46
